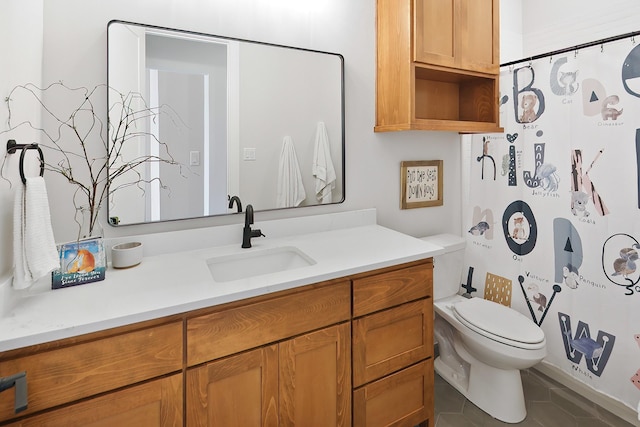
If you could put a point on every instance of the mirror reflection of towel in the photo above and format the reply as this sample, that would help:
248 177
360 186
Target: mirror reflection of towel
290 187
323 170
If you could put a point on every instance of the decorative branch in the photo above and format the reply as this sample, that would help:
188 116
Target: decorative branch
77 135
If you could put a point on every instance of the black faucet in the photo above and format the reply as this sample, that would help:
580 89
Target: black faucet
247 232
237 201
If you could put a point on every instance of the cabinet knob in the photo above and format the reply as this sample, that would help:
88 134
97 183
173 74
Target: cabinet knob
18 380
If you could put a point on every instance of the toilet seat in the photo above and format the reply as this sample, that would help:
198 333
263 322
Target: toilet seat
499 323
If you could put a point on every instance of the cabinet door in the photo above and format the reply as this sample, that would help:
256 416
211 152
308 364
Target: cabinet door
434 38
462 34
239 390
477 36
434 32
156 403
315 379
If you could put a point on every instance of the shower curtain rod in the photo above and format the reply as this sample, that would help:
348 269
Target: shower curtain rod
574 48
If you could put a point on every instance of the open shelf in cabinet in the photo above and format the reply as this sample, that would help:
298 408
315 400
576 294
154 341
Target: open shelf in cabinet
456 96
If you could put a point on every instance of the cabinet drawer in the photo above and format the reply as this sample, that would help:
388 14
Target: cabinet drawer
78 371
402 399
390 340
156 403
237 329
386 290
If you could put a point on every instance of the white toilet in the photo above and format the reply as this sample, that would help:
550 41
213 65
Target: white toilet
482 344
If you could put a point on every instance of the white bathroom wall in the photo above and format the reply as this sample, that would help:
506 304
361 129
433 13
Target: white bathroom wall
550 24
75 52
21 58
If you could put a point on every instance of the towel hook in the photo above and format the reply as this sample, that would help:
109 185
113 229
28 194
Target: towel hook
12 146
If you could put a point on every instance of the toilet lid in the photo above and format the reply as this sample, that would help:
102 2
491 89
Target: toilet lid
497 320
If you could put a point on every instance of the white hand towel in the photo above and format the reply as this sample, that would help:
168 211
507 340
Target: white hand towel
290 187
323 169
34 248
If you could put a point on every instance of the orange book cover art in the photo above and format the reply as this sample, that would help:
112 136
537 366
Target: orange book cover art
81 262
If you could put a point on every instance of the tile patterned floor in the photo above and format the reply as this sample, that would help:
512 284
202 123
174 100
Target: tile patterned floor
549 404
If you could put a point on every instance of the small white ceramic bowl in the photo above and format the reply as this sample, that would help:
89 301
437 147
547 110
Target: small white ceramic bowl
126 255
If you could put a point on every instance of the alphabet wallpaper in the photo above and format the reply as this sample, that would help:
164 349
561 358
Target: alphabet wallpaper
552 218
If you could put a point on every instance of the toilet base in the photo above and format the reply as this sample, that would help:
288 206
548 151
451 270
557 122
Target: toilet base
497 392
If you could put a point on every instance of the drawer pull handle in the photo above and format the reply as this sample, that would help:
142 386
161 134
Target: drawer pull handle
18 380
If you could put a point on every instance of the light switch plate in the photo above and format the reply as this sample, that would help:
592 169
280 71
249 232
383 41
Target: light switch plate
194 158
249 154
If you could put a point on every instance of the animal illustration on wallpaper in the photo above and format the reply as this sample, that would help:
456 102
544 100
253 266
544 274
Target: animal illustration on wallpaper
568 80
483 220
479 229
563 83
570 276
609 112
519 231
596 352
537 298
485 155
528 103
528 93
626 264
549 179
619 261
579 200
519 227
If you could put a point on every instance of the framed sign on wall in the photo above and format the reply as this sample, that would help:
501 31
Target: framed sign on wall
421 184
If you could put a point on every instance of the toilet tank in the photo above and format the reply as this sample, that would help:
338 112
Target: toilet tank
447 268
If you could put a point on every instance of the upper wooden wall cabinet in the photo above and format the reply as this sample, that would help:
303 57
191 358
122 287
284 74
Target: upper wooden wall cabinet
438 64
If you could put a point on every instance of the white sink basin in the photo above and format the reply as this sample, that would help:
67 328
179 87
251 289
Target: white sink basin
256 263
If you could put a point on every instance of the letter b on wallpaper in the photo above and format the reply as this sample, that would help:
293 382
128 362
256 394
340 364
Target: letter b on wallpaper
529 99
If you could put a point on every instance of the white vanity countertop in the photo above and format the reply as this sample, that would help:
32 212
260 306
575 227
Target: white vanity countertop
171 283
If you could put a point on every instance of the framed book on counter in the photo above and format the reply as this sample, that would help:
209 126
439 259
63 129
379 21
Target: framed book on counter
82 261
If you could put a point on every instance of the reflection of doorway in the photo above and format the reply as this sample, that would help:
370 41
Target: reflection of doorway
186 191
194 89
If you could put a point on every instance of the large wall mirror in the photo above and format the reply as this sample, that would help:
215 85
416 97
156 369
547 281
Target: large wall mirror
258 121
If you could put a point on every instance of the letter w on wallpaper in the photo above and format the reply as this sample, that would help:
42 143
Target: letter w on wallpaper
581 185
596 352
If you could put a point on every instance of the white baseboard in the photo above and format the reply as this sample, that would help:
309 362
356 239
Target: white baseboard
614 406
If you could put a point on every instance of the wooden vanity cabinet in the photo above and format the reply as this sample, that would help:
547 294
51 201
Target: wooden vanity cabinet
393 347
283 361
437 65
78 369
356 350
